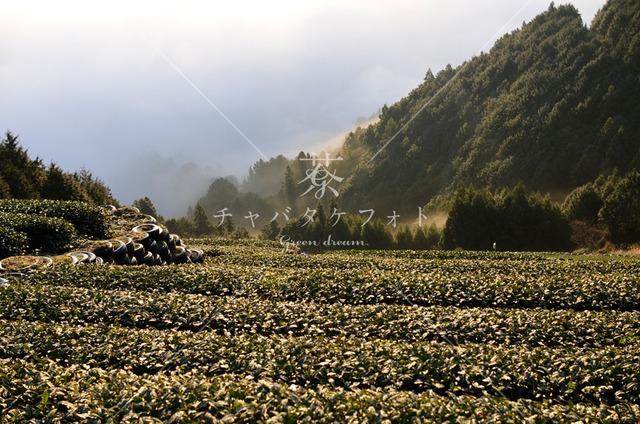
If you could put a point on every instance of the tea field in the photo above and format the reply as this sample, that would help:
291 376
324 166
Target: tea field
257 334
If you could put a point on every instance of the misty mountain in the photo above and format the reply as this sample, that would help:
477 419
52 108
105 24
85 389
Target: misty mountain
552 104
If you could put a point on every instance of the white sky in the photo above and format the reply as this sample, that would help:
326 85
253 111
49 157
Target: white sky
128 88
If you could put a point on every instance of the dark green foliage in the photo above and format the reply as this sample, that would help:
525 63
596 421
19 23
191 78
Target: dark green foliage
583 204
472 222
223 193
265 177
44 234
621 210
183 226
88 220
427 239
201 224
404 238
24 178
145 205
58 185
618 25
5 190
95 189
320 227
289 190
376 235
513 221
12 241
553 104
271 231
48 226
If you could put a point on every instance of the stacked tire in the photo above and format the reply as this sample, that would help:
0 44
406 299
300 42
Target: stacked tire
147 243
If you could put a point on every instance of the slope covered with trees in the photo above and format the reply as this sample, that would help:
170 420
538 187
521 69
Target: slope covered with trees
552 107
553 104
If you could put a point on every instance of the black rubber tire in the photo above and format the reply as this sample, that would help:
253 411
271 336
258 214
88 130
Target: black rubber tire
103 249
139 251
172 242
128 242
163 250
180 255
119 249
147 259
152 229
196 256
153 247
84 257
124 260
142 238
148 219
25 263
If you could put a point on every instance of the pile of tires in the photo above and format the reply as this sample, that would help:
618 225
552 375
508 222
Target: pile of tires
146 244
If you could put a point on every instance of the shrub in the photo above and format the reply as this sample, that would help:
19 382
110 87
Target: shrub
51 235
12 242
88 220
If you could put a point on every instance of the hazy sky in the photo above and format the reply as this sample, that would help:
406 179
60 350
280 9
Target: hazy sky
134 90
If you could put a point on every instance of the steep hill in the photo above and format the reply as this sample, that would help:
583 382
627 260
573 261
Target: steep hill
552 104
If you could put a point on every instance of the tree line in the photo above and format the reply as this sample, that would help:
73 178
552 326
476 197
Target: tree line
24 178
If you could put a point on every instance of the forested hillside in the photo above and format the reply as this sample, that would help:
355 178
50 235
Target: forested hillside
553 104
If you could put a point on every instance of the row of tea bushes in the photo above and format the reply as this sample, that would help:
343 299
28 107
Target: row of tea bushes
52 303
44 391
88 220
47 226
600 376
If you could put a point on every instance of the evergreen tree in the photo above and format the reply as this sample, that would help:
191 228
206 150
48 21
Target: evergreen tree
583 204
376 235
202 224
510 219
145 205
420 241
289 191
95 189
404 238
271 231
5 190
338 224
23 175
320 228
621 210
182 226
58 185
